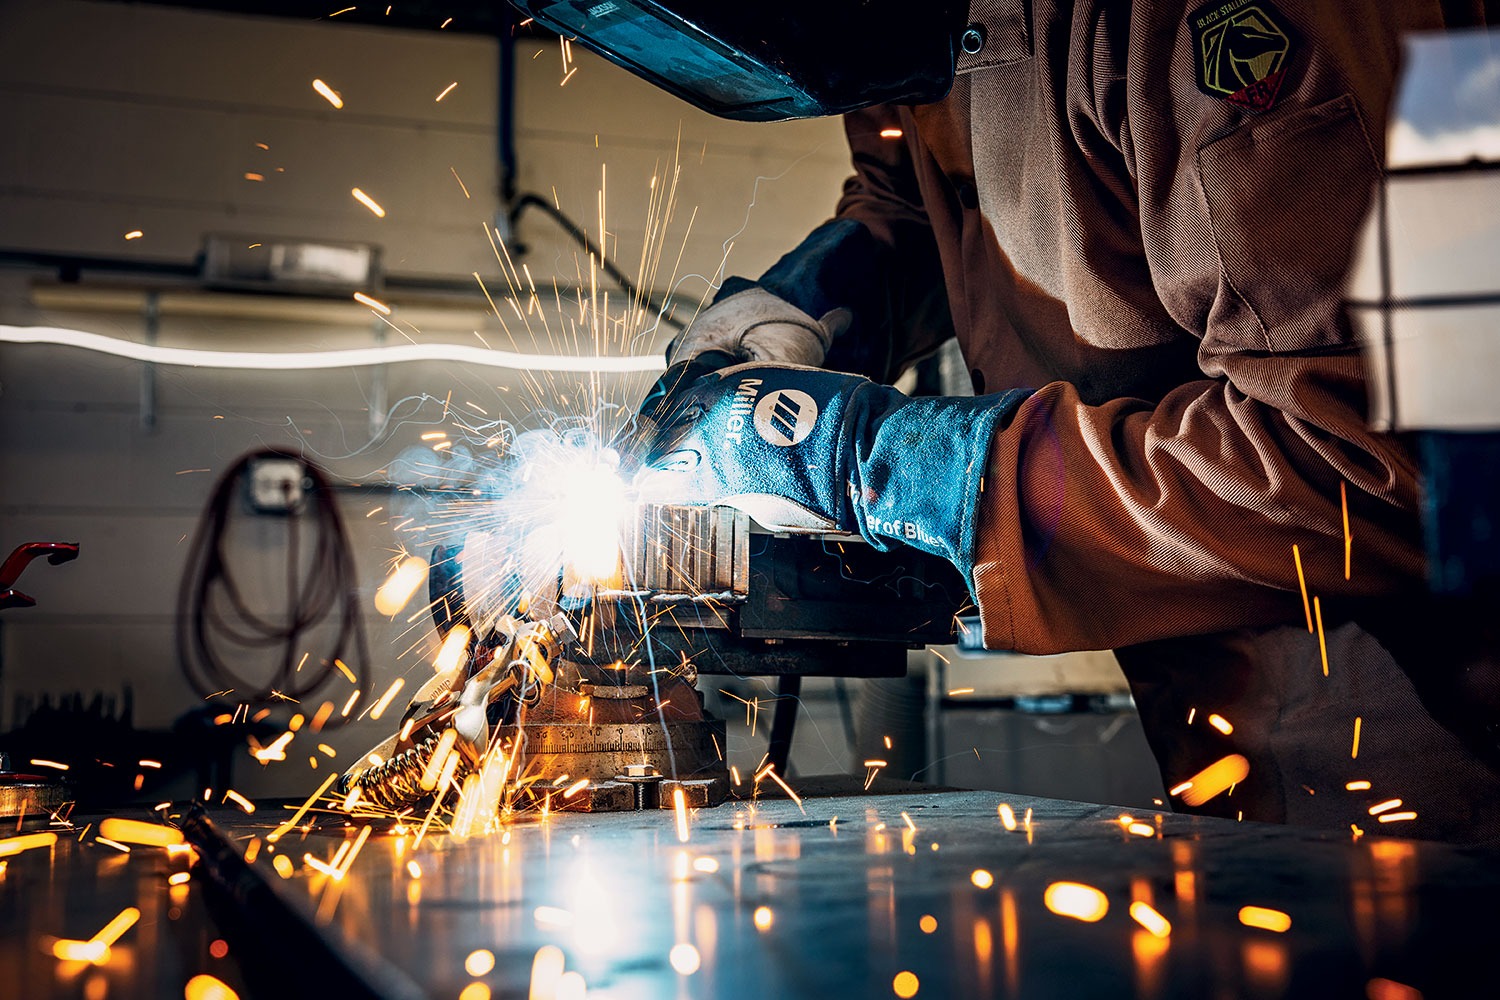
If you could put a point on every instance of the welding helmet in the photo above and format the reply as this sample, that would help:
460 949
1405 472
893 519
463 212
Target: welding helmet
773 59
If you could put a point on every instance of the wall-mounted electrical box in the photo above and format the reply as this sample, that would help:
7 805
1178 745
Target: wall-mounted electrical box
276 485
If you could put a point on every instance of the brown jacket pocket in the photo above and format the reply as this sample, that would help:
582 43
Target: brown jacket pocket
1287 197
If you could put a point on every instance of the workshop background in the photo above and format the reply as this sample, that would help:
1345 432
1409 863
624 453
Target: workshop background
201 131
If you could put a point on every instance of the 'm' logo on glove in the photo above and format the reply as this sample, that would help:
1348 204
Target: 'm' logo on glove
785 417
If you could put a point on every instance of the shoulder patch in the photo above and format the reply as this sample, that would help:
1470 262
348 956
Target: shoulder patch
1242 49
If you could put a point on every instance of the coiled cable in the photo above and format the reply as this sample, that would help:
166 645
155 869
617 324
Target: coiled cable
221 636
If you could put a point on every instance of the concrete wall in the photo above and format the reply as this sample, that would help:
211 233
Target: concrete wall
120 117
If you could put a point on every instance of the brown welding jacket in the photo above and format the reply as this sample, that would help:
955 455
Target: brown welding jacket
1165 267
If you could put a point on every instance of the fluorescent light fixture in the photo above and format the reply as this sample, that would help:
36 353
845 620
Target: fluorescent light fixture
309 360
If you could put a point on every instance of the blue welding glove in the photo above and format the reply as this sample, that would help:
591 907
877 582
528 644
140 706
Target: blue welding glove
802 449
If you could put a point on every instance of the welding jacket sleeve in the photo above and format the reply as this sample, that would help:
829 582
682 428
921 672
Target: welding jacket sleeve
1127 227
805 449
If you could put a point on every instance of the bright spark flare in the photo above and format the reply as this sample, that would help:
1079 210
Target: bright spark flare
328 93
1076 900
368 202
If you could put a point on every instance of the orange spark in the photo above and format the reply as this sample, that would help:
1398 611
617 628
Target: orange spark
80 951
15 845
368 202
1322 642
385 699
1076 900
239 800
1147 917
118 925
359 843
1348 538
438 761
1354 751
373 303
1215 778
328 93
1302 582
133 831
770 770
679 808
296 817
1220 723
1265 919
447 90
401 585
455 646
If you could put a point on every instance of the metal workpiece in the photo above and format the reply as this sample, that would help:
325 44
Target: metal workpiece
840 896
29 795
595 729
679 553
811 605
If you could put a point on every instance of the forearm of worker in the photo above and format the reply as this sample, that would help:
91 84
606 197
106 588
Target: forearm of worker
877 239
878 257
1102 526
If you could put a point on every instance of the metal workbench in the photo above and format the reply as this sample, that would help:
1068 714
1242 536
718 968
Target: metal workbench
847 899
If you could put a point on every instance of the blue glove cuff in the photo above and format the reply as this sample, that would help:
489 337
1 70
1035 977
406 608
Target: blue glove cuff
917 479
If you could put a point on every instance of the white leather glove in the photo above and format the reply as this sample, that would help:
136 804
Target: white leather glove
755 325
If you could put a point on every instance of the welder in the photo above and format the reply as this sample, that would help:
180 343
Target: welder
1137 220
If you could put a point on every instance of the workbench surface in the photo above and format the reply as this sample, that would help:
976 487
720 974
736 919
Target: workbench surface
856 891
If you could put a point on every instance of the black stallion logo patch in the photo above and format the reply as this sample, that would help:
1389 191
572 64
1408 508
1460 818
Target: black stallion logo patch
1243 47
